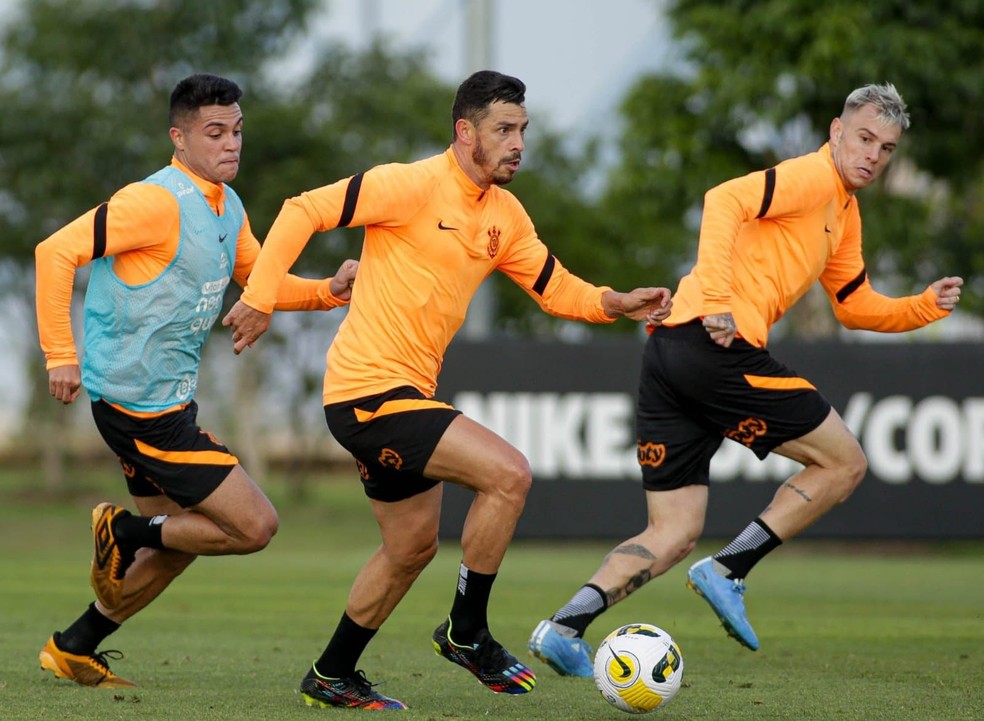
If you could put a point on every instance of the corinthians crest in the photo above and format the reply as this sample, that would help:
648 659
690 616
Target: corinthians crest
493 241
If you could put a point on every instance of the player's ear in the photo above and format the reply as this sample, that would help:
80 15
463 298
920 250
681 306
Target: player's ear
177 137
836 130
464 130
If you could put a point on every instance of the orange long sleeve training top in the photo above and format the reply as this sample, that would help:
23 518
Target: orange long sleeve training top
432 236
767 237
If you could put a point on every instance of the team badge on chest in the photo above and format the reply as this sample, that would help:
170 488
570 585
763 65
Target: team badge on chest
493 241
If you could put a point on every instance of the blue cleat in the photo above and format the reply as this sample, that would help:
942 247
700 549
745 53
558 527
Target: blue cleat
726 598
566 654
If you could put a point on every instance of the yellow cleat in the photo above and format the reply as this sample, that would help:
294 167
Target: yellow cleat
108 564
83 670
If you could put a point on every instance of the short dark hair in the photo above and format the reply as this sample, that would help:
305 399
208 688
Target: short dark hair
201 89
480 90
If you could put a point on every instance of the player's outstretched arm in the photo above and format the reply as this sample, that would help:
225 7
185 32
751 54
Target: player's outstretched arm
947 292
649 304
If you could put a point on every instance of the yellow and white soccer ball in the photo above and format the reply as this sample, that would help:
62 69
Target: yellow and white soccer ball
638 668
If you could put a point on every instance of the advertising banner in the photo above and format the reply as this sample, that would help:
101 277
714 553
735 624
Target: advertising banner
917 409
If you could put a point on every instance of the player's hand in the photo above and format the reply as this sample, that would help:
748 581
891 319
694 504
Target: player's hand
649 304
65 383
947 292
341 284
248 324
721 327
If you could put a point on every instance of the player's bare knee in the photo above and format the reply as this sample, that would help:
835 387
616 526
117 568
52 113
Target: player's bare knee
668 546
426 554
854 472
257 532
413 559
685 549
262 534
514 482
678 547
847 475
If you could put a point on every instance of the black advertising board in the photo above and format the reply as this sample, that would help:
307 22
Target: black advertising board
917 409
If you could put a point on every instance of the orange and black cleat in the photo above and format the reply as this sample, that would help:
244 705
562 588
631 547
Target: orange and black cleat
109 564
85 670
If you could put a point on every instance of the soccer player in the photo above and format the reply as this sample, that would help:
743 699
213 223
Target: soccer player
162 252
765 238
435 229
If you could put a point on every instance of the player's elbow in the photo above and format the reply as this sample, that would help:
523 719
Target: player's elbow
849 321
42 253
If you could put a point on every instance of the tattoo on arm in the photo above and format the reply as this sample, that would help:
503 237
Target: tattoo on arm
802 494
637 581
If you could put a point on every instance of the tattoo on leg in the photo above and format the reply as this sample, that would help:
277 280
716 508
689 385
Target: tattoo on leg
798 491
640 579
633 549
614 595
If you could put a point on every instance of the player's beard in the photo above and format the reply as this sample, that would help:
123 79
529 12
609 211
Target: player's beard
498 175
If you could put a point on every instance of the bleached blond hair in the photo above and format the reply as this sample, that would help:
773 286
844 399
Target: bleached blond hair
890 105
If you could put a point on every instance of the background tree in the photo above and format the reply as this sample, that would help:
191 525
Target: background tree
85 87
85 90
760 81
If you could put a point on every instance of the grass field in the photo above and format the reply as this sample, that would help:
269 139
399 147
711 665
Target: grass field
881 633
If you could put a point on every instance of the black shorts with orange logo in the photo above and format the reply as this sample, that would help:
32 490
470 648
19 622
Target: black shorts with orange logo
392 436
694 393
166 455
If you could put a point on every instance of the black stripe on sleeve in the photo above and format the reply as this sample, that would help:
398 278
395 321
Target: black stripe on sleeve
99 232
351 198
544 278
770 188
852 286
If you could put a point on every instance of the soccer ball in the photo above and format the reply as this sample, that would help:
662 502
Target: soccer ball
638 668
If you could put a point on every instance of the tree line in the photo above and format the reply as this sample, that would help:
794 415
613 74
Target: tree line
84 85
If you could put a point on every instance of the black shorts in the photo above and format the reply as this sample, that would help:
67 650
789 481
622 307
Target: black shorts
392 436
165 455
694 393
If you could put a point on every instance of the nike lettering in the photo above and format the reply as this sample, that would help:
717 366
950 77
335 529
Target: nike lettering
442 226
222 238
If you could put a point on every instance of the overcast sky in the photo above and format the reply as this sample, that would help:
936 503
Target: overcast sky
577 57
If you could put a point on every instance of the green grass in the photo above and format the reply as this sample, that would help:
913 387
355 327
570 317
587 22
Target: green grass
886 633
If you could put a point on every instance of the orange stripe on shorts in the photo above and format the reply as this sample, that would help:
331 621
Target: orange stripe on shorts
204 458
779 384
147 414
399 406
